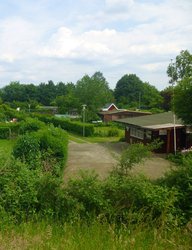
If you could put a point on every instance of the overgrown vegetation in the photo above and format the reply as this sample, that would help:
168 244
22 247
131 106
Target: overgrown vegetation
32 187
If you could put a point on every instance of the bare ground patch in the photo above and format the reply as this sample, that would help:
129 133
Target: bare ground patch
102 157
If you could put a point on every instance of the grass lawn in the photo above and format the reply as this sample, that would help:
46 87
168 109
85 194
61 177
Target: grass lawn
5 150
92 139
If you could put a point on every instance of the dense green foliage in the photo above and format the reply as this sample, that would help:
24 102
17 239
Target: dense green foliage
181 72
121 212
68 125
32 186
4 132
93 91
182 100
46 148
132 92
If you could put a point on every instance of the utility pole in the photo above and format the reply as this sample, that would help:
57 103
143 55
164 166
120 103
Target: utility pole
174 128
83 113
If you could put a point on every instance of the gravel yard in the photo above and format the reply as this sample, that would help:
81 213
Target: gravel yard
102 157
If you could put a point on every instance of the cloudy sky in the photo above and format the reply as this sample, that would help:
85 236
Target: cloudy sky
62 40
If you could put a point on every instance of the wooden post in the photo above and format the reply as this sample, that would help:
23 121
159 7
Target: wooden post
168 140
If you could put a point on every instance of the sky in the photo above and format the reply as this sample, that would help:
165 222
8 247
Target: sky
62 40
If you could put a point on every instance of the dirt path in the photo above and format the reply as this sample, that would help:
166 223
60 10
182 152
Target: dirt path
101 157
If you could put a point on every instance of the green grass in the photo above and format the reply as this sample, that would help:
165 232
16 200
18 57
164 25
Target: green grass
5 150
92 139
80 236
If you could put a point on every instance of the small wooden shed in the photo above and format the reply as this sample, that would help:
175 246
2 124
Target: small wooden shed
161 126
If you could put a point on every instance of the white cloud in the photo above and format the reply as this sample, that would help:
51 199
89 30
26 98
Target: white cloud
119 4
18 39
118 37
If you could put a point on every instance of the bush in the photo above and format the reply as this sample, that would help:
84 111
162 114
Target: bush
134 194
66 124
9 130
18 186
27 149
30 125
181 180
88 191
5 132
106 131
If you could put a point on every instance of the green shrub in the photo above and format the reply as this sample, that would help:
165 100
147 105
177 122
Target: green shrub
133 194
113 132
9 130
66 124
30 125
18 185
55 142
181 180
88 191
5 132
104 131
134 154
27 149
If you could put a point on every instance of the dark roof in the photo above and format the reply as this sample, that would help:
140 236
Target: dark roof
155 121
111 112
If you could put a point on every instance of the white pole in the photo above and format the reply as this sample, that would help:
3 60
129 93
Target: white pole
84 106
174 128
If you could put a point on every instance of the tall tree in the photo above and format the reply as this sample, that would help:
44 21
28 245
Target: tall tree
46 93
132 92
150 96
181 71
128 90
167 97
93 91
14 92
181 68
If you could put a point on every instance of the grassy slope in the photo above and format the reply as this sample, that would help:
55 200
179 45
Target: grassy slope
43 235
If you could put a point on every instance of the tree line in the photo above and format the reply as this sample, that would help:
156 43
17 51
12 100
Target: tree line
94 91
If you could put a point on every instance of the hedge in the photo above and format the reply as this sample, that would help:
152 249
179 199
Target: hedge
4 132
72 126
8 130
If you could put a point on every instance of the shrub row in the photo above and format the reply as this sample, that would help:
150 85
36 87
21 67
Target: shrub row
4 132
8 130
26 192
45 148
66 124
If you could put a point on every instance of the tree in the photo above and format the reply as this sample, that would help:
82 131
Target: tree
167 97
128 90
46 93
93 91
181 68
150 96
14 92
181 71
67 103
183 100
132 92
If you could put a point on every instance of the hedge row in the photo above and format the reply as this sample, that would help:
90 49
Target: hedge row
8 130
66 124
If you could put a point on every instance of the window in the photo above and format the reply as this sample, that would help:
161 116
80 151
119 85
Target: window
137 133
148 134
